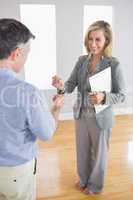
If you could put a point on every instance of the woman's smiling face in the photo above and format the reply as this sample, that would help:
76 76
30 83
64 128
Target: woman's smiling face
96 42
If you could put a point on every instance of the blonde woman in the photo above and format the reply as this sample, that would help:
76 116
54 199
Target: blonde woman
93 130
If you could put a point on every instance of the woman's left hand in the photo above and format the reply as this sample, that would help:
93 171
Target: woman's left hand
97 97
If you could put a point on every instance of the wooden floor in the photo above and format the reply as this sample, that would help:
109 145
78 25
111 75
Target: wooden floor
56 172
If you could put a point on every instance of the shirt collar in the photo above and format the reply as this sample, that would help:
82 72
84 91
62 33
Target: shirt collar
102 64
6 70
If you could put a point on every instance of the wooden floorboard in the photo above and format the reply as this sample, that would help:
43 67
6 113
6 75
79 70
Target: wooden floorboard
56 171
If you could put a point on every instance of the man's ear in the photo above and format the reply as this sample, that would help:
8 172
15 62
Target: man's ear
15 54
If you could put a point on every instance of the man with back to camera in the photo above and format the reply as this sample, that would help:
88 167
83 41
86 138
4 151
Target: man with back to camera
24 115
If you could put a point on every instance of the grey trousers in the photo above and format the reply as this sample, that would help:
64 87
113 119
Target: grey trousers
92 148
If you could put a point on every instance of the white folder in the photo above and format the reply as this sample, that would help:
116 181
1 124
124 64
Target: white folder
101 82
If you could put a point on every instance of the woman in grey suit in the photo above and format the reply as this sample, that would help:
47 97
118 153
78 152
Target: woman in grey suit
93 130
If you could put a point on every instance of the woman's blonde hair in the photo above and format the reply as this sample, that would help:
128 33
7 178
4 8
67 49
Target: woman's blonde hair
105 27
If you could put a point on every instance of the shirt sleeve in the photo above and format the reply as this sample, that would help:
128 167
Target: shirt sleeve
40 120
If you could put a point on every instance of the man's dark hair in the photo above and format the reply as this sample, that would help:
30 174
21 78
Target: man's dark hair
12 33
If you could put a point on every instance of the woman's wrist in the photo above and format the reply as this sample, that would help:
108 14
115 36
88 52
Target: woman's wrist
60 90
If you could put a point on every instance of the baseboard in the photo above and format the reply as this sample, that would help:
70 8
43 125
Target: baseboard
117 111
66 116
123 111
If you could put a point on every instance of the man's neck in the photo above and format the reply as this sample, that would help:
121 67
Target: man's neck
5 64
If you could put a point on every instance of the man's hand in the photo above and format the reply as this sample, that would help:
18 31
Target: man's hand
97 97
57 82
58 101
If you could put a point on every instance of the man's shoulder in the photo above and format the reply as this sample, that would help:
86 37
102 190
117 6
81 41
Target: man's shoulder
25 87
29 86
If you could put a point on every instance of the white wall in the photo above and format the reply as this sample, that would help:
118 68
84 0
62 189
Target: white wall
69 16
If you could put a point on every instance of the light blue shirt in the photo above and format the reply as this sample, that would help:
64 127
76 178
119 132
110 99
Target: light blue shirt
24 117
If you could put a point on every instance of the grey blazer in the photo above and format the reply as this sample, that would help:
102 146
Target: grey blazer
80 78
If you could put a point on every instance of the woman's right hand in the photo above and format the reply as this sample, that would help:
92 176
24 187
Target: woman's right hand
57 82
